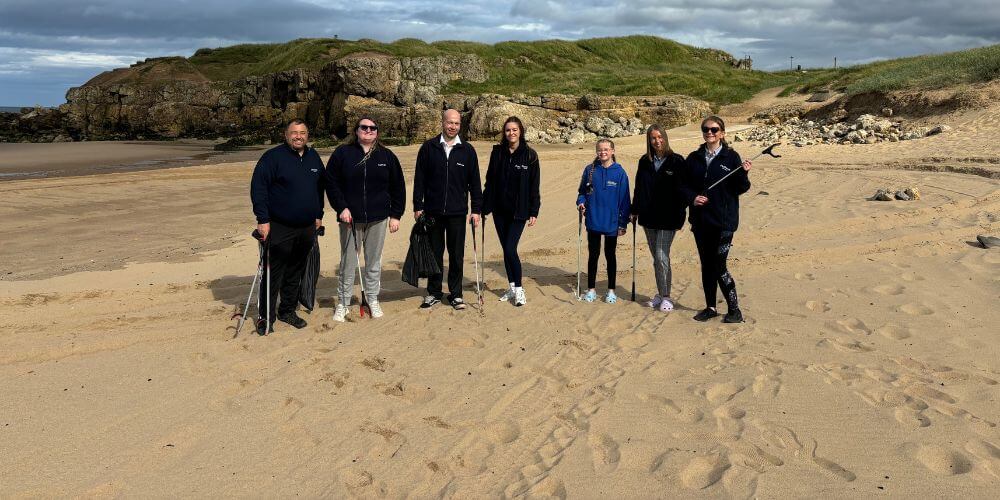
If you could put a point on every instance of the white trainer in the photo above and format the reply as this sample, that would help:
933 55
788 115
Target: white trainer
376 309
340 313
519 298
509 294
655 301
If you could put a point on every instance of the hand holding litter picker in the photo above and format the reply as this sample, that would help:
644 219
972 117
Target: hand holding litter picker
768 151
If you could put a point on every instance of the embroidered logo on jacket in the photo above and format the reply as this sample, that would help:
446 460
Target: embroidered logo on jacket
313 170
612 184
521 167
723 167
382 164
459 164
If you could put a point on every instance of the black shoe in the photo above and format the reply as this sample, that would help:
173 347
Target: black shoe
262 327
733 316
292 319
706 314
429 302
458 303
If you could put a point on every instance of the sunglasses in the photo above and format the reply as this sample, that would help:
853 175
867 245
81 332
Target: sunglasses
714 130
368 128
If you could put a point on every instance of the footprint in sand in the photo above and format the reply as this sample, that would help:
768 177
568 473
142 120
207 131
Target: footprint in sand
911 277
942 460
853 326
916 309
892 289
804 276
604 451
894 332
702 472
684 413
750 456
721 393
818 306
767 382
832 468
845 344
911 419
376 363
729 422
502 432
634 341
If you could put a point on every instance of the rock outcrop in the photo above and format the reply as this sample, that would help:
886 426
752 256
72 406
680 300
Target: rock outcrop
403 93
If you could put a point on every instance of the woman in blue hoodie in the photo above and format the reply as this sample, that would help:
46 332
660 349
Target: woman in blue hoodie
604 201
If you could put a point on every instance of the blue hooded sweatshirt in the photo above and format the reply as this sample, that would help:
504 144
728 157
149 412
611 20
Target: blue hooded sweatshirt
606 198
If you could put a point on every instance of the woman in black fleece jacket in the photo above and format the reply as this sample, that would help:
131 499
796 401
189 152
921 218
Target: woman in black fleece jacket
659 206
715 213
512 196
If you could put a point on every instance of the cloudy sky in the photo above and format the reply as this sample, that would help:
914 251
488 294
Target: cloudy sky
48 46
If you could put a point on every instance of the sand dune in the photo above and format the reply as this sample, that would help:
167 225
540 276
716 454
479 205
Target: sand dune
868 364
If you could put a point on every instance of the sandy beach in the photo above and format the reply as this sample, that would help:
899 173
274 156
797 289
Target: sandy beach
869 364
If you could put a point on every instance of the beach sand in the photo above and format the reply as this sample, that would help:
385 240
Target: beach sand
869 363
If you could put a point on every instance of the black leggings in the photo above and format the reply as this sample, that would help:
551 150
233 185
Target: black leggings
509 232
594 253
713 250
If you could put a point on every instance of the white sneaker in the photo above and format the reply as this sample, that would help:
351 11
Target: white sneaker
509 294
375 308
519 298
340 313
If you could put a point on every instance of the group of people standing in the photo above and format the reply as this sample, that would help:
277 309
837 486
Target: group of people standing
364 183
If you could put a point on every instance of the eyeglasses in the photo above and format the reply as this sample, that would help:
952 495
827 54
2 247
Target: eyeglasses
714 130
368 128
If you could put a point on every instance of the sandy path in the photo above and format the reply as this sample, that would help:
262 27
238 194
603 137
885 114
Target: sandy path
868 364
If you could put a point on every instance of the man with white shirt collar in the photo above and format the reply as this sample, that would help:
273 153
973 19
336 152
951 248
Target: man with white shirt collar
446 179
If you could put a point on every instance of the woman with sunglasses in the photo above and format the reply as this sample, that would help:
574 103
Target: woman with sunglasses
715 213
659 207
365 186
512 196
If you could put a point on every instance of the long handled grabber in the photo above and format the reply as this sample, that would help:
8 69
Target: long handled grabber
579 249
253 286
361 279
482 258
769 151
633 261
475 260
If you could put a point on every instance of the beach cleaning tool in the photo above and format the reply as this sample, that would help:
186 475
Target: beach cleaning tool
482 258
768 151
579 248
361 279
253 286
475 260
633 261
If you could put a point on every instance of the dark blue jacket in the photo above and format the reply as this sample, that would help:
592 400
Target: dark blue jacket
606 198
442 185
512 183
288 188
723 208
373 190
658 199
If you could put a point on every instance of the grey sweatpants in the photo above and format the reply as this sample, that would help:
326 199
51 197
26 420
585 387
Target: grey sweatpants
659 245
370 238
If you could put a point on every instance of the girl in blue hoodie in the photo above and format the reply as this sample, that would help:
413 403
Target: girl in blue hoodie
604 201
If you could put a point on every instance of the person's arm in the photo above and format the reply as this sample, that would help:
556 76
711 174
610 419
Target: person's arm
534 181
418 181
581 198
488 191
263 175
475 182
638 195
688 185
335 181
397 191
624 205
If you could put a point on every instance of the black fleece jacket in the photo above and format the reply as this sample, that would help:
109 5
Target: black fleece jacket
442 185
512 183
372 189
288 188
723 208
658 197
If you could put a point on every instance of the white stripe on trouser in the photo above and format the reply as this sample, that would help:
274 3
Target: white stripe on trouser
371 238
659 241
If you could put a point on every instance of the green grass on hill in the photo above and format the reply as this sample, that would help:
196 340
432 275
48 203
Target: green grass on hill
926 72
633 65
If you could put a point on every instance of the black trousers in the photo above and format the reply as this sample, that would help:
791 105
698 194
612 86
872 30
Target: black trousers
594 253
509 232
288 250
448 230
713 250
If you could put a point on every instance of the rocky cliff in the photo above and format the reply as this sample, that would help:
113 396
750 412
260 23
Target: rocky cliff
167 98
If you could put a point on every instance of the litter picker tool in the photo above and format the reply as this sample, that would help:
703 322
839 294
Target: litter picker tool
769 151
475 260
361 279
633 261
253 286
579 248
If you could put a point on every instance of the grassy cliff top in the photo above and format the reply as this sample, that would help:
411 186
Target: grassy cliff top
632 65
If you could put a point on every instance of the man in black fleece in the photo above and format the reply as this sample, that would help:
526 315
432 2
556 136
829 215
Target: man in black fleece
287 195
447 175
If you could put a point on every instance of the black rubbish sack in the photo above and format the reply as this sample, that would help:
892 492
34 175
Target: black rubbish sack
307 287
420 261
